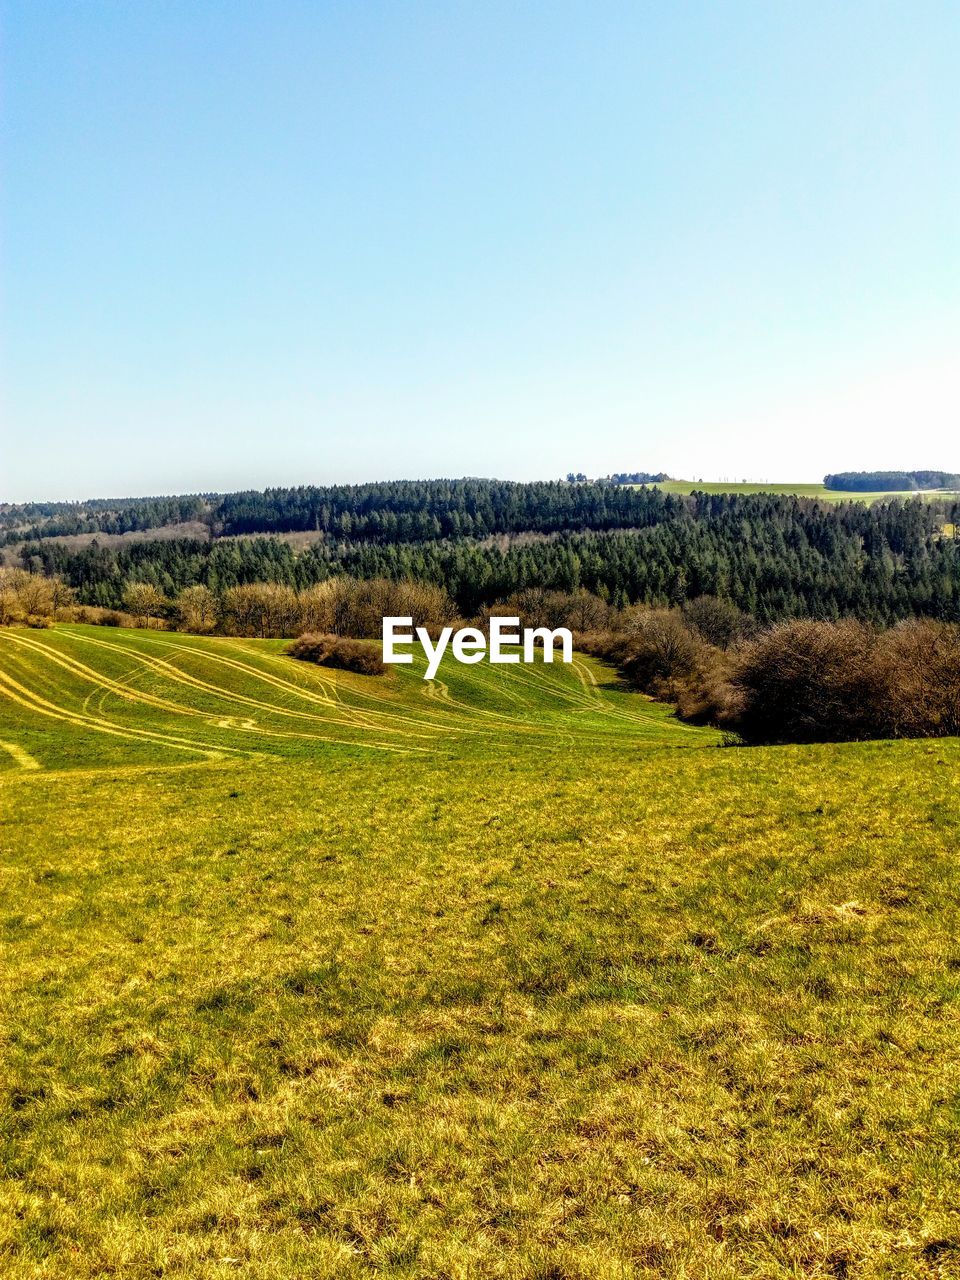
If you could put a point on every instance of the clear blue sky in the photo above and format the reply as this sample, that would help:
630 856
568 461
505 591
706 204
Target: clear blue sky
281 242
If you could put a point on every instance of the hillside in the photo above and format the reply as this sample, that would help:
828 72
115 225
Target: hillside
317 974
774 556
77 696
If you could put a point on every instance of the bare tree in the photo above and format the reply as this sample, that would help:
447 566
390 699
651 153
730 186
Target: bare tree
143 600
197 608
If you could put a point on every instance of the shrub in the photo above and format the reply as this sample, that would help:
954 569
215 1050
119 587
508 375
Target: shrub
716 621
801 681
350 607
580 611
111 618
921 666
655 650
807 681
338 651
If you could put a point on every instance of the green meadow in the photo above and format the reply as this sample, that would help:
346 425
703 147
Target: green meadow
789 490
307 974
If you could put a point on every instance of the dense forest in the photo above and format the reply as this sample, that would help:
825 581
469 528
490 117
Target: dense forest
891 481
420 511
395 511
774 557
33 520
406 510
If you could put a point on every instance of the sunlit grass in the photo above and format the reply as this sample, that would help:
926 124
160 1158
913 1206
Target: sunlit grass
523 1004
83 695
789 490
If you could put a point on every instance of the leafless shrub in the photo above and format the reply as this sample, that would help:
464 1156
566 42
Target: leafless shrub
338 651
920 661
579 611
353 607
801 681
716 621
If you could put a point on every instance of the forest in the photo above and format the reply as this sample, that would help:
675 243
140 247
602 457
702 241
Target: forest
891 481
774 557
394 511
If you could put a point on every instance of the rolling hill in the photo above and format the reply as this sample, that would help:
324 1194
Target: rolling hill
510 975
79 696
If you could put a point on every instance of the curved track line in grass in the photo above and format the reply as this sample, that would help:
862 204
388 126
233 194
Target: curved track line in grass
101 682
535 677
375 721
249 669
170 672
534 673
84 672
298 690
468 674
495 719
101 695
504 689
23 758
569 706
354 718
588 680
394 707
537 672
32 701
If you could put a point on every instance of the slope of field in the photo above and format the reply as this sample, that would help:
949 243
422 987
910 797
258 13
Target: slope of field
789 490
84 696
315 975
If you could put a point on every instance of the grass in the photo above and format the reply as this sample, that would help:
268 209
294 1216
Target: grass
556 990
80 696
790 490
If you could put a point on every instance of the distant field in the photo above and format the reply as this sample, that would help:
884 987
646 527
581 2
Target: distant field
512 976
798 490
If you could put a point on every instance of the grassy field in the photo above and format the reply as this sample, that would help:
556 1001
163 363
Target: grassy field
317 975
790 490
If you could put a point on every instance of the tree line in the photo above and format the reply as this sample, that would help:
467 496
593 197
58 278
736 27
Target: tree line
891 481
774 557
393 511
405 511
35 520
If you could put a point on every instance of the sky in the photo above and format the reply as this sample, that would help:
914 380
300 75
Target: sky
256 242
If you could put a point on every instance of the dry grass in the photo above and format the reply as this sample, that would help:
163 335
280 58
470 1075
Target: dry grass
559 1011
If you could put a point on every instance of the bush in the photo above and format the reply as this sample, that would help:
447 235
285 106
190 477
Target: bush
801 681
810 681
111 619
843 681
718 622
346 606
338 651
921 666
